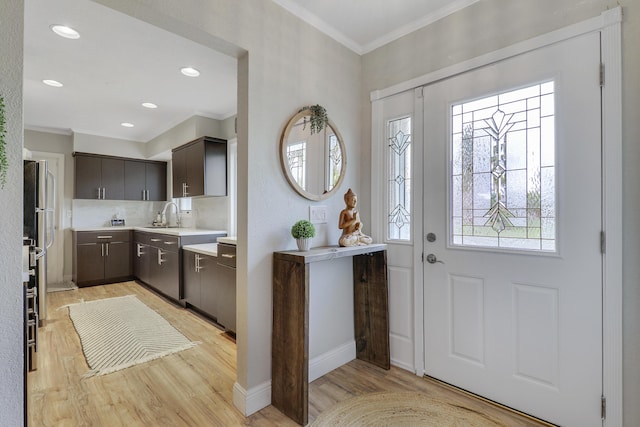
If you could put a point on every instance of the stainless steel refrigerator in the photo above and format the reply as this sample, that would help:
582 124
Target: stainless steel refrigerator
39 222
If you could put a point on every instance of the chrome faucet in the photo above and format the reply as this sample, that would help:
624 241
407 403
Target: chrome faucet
164 213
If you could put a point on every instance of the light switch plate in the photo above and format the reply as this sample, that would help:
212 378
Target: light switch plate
318 214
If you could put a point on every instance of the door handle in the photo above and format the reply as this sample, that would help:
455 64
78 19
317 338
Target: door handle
432 259
198 267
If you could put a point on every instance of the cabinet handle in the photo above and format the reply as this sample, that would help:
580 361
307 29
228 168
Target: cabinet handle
147 191
107 245
105 237
170 243
99 193
160 260
139 252
185 193
156 240
198 268
101 249
228 256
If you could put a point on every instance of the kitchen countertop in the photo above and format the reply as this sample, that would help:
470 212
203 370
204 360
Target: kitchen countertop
228 240
210 249
173 231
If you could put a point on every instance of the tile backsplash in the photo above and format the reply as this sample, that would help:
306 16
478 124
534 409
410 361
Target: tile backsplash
206 212
99 213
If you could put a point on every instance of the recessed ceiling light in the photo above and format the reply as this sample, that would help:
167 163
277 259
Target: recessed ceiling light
64 31
53 83
190 72
126 125
149 105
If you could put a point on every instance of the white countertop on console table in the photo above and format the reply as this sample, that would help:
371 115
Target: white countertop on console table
210 249
228 240
325 253
173 231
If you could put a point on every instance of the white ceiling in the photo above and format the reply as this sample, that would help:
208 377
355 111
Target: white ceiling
117 64
120 62
364 25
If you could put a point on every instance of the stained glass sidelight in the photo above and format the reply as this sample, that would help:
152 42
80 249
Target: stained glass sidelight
296 154
399 179
335 162
503 170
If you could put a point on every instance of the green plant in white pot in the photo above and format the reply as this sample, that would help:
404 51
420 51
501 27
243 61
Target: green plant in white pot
303 231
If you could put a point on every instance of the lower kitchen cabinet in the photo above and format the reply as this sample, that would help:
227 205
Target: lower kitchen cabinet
101 257
157 261
191 278
209 286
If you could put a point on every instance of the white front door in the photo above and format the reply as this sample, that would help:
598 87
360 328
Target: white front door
512 221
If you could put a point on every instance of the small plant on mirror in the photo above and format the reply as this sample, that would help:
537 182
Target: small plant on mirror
303 231
4 163
317 118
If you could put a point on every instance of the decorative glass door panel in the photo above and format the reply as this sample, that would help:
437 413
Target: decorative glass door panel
503 192
399 179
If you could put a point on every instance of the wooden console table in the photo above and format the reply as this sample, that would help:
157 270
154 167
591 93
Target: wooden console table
290 337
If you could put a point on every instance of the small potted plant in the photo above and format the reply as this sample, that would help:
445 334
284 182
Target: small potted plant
303 231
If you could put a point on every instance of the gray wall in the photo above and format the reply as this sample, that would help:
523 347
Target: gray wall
11 303
493 24
283 65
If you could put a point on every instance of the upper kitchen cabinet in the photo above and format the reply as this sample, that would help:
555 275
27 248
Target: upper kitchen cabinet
99 177
200 168
118 178
145 180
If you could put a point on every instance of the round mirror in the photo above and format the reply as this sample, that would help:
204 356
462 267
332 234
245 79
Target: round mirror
314 164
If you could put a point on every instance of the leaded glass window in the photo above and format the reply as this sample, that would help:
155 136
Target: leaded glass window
296 153
503 192
335 161
399 179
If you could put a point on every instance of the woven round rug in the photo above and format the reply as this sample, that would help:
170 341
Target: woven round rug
401 409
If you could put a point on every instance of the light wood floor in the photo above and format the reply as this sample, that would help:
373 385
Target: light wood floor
190 388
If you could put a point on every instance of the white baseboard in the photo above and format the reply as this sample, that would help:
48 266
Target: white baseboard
402 365
327 362
249 402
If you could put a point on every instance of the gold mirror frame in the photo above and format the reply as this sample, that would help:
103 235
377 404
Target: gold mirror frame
284 159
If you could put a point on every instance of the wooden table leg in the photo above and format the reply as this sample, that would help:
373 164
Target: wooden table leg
290 339
371 308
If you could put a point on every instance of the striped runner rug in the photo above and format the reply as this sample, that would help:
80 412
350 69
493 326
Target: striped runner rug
120 332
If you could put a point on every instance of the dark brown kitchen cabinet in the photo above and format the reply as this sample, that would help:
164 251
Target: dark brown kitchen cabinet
101 257
226 284
191 278
199 168
199 272
99 177
210 285
145 180
118 178
141 257
158 260
164 264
